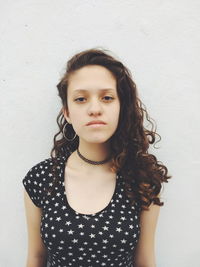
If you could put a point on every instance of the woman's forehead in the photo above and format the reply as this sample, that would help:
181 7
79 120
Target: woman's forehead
92 72
92 81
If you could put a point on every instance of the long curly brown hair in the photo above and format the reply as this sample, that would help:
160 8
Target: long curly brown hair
142 172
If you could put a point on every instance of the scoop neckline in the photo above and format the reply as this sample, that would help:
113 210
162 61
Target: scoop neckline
64 195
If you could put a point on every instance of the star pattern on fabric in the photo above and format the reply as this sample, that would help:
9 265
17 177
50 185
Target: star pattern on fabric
105 238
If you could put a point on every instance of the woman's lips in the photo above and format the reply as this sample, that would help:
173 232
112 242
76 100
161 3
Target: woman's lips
95 122
96 125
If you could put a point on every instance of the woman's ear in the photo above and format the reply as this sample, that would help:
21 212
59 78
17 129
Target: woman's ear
66 115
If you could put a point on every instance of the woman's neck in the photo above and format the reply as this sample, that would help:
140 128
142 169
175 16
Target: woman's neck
78 164
94 152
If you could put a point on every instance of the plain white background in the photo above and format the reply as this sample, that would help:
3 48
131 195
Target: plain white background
159 42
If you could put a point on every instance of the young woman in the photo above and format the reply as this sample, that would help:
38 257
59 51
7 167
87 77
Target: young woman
95 201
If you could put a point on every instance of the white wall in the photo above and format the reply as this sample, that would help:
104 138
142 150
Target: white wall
159 42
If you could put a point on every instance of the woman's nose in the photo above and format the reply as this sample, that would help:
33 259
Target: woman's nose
95 107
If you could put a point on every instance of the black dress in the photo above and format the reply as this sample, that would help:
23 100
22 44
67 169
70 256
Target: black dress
106 238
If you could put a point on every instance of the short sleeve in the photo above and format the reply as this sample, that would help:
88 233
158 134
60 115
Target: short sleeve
36 180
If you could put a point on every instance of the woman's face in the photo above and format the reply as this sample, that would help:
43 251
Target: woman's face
92 95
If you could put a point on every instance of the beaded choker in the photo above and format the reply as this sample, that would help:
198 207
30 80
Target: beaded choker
91 161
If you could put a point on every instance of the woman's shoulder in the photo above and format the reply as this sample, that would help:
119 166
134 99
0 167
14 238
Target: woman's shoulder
46 163
44 166
43 169
39 177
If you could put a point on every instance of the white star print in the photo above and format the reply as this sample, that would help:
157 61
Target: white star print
92 235
107 238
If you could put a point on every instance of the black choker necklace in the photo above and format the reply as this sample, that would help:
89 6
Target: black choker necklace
91 161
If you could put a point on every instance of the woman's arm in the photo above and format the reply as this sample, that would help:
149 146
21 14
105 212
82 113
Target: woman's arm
36 250
144 254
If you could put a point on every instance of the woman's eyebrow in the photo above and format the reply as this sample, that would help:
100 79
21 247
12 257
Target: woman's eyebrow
85 90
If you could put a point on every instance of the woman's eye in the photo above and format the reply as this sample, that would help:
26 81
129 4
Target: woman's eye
81 98
110 98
